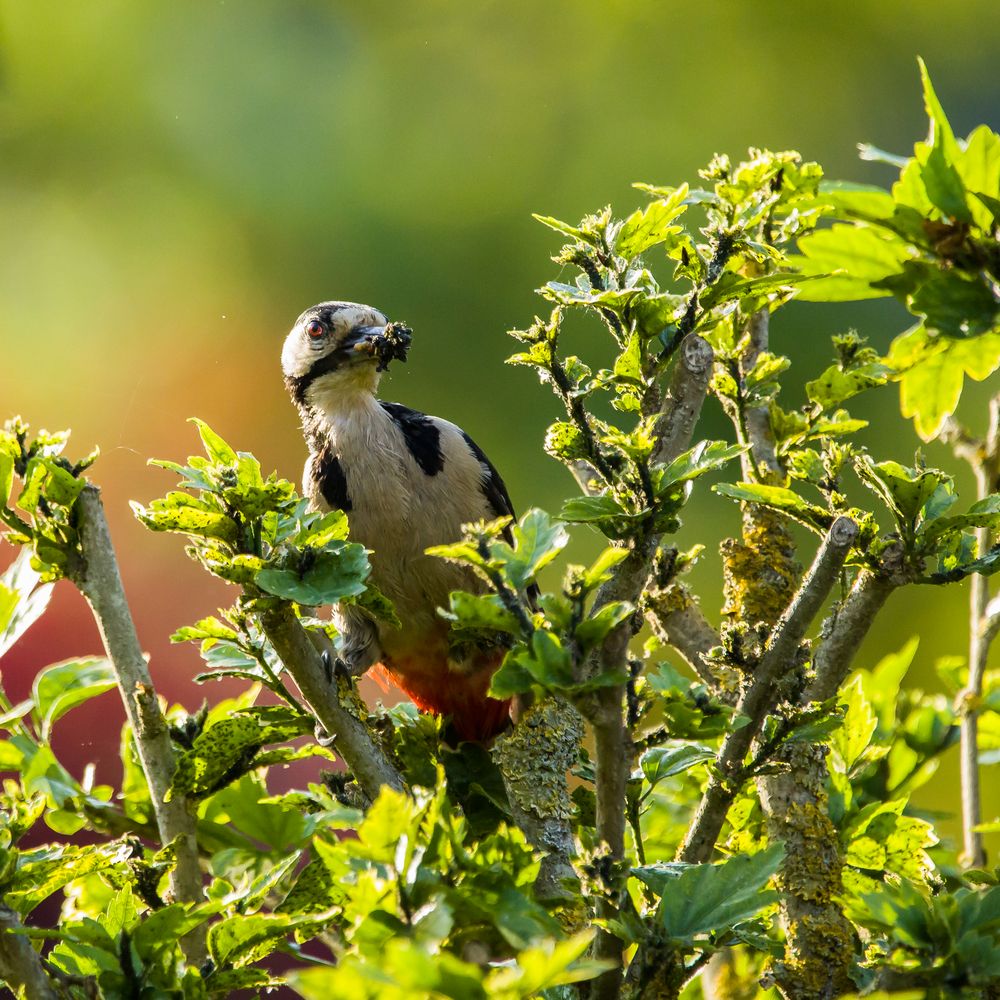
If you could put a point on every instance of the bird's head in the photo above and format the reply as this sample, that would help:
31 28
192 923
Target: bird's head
328 352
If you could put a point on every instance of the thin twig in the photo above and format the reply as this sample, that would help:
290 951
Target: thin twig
846 627
757 699
21 966
350 736
757 420
984 459
99 580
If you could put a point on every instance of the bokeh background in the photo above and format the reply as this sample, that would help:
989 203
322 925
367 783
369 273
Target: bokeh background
179 180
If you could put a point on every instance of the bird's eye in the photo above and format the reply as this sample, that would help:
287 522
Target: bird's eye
315 329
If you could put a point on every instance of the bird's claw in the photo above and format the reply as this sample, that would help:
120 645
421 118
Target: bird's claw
334 667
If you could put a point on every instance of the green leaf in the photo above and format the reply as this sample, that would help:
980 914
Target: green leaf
160 932
707 899
565 228
779 498
596 508
593 629
602 567
628 364
941 134
574 295
956 305
603 511
315 890
986 564
182 513
538 539
861 255
390 816
520 920
227 749
904 490
207 628
565 441
546 966
42 774
649 226
851 740
6 474
929 392
22 600
480 611
863 201
37 880
706 456
239 940
43 477
281 825
944 185
753 293
326 576
983 513
63 686
673 757
216 449
836 384
545 662
979 166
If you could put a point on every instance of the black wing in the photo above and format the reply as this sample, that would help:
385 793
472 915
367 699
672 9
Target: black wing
493 485
421 435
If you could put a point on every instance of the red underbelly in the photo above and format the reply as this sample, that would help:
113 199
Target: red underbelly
426 678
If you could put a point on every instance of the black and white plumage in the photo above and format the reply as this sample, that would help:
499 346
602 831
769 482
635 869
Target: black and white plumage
407 481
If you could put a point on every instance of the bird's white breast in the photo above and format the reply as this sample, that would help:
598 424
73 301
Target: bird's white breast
398 510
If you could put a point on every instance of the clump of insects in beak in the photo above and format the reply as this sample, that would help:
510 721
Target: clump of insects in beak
391 344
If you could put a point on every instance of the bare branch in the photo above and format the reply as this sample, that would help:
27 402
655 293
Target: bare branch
613 753
99 580
757 699
676 619
612 757
845 630
684 398
20 965
351 737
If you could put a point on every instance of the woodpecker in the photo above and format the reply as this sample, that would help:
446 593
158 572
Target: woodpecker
407 481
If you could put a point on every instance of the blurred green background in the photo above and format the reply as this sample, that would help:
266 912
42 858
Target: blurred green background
179 180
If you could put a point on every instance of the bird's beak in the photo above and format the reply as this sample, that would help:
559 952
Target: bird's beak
361 335
382 344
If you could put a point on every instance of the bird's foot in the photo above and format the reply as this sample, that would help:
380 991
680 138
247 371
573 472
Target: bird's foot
336 666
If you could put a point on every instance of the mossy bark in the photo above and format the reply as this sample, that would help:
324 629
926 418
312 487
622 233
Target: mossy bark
760 573
534 758
819 945
760 576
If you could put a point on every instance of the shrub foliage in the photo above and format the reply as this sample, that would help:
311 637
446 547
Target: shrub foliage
680 807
